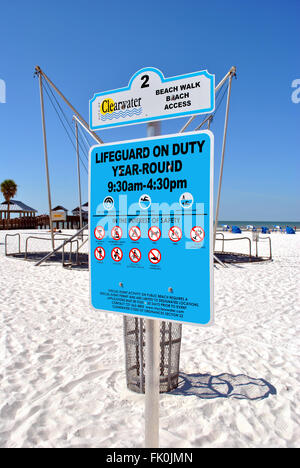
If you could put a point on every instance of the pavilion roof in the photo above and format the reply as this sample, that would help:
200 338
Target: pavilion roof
17 206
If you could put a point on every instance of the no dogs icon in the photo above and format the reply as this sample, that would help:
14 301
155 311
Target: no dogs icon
154 233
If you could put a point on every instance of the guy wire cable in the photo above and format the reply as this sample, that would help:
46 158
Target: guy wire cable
66 130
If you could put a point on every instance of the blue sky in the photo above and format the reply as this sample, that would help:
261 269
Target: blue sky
93 46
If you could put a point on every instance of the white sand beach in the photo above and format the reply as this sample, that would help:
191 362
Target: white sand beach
62 367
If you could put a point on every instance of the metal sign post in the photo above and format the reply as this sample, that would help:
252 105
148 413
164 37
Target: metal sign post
152 360
152 383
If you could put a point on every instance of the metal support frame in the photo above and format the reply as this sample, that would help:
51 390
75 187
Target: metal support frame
78 174
40 72
86 129
208 119
46 158
232 71
78 118
223 154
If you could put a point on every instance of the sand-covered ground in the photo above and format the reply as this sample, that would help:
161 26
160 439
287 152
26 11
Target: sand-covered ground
62 371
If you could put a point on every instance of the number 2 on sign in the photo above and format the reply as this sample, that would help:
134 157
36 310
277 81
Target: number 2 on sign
145 79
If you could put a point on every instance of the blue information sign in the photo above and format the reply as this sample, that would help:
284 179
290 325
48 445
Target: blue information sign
151 244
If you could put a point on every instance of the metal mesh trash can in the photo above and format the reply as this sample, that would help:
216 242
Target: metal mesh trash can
170 342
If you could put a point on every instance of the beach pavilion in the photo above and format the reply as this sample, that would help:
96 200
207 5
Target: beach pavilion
84 211
16 208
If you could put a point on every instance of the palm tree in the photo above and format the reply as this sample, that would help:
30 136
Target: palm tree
9 190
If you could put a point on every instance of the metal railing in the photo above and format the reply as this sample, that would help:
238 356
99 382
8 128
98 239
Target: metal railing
39 238
78 233
19 243
270 246
223 240
235 239
70 253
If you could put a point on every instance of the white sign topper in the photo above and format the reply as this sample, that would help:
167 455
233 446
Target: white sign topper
150 96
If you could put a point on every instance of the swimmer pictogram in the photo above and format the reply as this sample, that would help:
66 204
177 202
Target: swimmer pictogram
145 201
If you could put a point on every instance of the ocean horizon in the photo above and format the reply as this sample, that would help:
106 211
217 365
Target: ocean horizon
268 224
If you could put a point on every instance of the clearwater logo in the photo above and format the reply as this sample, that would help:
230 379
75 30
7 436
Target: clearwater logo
109 110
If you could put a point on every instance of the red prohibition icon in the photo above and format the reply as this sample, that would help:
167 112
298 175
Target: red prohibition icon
116 233
99 232
134 233
117 254
135 255
175 233
197 234
154 233
154 256
99 253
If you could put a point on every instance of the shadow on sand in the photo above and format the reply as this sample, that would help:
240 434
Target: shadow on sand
206 386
